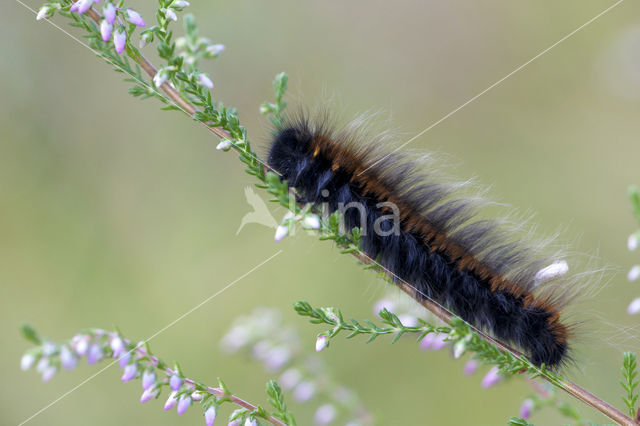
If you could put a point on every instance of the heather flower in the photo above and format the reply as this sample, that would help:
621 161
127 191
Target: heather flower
27 361
48 349
135 18
180 4
290 378
632 242
44 12
144 39
321 343
470 367
160 78
408 320
120 39
312 221
492 378
109 12
250 422
634 307
175 382
276 358
82 6
130 372
67 358
95 354
148 394
197 396
459 348
170 14
205 80
210 415
526 409
634 273
215 49
81 344
439 341
171 401
281 232
48 373
42 365
224 145
324 414
550 272
148 379
183 403
124 359
105 30
117 346
304 391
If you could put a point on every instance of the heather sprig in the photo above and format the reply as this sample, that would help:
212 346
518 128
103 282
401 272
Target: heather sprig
137 362
629 382
264 337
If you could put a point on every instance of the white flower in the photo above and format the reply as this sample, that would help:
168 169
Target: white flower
215 49
459 348
205 80
321 343
43 13
281 232
48 373
180 3
170 14
67 358
197 396
634 307
550 272
224 145
312 221
250 422
408 320
27 361
210 415
160 78
149 394
304 391
117 346
324 414
634 273
632 242
171 401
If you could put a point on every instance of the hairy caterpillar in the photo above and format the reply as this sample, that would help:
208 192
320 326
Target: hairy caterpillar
480 269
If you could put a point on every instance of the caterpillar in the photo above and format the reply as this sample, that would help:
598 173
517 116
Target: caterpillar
482 270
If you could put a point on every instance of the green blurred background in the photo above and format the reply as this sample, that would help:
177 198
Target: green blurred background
113 212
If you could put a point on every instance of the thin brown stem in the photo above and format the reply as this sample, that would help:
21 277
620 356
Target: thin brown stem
219 392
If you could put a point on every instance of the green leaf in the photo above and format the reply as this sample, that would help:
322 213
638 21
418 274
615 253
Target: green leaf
30 334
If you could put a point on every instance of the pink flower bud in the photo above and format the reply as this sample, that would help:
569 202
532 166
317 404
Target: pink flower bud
48 373
95 354
44 12
526 409
109 12
171 401
180 3
130 372
120 39
81 344
321 343
183 403
205 80
470 367
197 396
170 14
27 361
135 18
324 414
281 232
492 378
124 359
116 344
148 379
105 30
175 382
67 358
148 394
634 273
83 5
634 307
210 415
